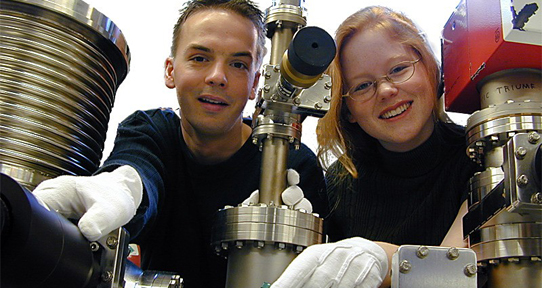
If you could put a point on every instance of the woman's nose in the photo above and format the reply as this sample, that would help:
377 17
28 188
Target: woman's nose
385 89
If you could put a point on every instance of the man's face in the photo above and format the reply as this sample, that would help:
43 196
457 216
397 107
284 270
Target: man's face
214 71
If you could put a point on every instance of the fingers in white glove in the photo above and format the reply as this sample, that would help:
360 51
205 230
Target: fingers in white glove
353 262
254 198
293 196
103 202
56 194
292 176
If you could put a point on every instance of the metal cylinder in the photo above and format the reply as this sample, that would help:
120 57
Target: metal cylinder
504 137
273 170
60 65
260 241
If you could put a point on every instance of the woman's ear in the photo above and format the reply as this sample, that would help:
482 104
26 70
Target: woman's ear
169 80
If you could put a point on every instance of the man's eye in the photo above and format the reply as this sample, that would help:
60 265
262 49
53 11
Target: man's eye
198 59
239 65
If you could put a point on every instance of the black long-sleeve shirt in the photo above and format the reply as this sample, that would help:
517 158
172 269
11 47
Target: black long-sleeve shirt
173 223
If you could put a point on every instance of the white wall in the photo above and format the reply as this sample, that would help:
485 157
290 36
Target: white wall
148 26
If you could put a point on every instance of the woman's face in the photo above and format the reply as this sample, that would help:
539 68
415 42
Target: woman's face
399 116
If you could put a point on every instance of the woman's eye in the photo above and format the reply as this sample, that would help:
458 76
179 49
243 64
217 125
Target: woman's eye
363 86
398 69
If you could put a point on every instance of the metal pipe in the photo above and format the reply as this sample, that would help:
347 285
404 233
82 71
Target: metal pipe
273 170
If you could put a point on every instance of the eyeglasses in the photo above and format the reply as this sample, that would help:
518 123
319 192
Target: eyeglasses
366 89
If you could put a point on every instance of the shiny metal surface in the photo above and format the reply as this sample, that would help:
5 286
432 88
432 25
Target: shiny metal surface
260 241
60 65
257 264
483 182
518 84
282 20
267 224
524 272
504 223
430 266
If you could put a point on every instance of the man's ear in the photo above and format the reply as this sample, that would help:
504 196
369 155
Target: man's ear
254 89
168 73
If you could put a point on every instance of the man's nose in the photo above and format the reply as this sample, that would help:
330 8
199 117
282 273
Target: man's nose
217 75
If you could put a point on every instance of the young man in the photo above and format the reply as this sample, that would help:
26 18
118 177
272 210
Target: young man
174 174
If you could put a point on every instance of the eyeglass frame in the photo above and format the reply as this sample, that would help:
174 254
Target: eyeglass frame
387 78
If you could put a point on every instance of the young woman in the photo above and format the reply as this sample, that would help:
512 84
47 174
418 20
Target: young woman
401 174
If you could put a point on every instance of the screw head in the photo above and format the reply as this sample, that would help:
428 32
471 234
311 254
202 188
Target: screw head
112 242
521 152
534 137
422 252
536 198
452 253
94 246
107 276
470 270
522 180
405 266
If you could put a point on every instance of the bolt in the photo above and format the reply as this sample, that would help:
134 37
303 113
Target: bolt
470 270
175 282
239 244
422 252
112 242
266 88
260 244
318 105
298 249
267 74
107 276
521 152
94 246
224 245
281 246
405 266
534 137
536 198
522 180
297 101
327 85
494 261
452 253
327 99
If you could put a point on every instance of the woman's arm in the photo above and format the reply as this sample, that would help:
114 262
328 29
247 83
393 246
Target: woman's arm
454 237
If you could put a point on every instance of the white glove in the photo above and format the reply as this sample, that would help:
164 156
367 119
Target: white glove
291 196
104 202
353 262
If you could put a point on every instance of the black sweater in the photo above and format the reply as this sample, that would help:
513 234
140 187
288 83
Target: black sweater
403 198
173 223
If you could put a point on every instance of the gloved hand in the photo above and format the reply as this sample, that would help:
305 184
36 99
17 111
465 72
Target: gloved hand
291 196
103 202
353 262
